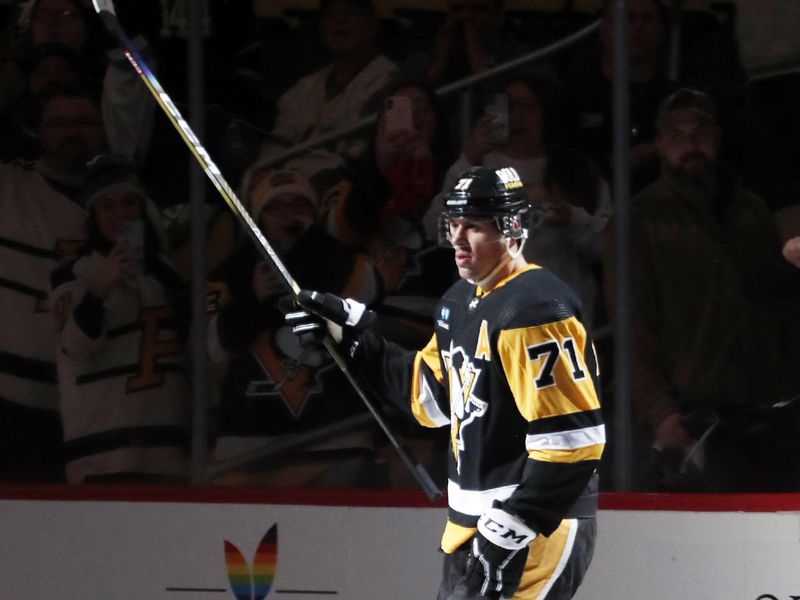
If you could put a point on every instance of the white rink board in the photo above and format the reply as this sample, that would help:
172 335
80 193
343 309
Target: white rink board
658 555
138 551
112 550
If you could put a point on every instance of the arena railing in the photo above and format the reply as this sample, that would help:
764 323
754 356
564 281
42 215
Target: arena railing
320 142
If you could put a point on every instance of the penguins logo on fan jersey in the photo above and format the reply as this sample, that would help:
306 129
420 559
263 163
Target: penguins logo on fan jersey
465 406
288 379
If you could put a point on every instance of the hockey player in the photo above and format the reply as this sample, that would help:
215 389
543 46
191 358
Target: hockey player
512 371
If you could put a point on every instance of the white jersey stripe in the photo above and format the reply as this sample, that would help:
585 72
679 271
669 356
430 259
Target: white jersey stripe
428 403
567 440
472 502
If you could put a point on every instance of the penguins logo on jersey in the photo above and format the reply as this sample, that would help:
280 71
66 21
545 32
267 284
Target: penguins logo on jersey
292 380
465 406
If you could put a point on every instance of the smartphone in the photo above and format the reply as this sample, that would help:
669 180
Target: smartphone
498 109
398 115
132 233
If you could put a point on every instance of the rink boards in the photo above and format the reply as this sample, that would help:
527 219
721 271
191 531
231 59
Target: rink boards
220 544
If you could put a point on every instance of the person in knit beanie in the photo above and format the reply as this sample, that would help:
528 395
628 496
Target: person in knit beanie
122 323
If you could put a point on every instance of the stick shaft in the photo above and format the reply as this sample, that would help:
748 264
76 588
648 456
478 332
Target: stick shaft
105 10
194 145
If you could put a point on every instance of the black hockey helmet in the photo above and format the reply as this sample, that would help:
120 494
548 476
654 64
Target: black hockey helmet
485 192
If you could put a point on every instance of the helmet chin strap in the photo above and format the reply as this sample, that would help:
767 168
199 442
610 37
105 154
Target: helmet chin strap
506 259
515 253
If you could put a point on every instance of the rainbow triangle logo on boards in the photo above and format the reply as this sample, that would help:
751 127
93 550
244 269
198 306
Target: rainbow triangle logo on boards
255 584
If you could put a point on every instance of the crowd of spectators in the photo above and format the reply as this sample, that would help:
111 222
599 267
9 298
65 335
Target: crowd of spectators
94 238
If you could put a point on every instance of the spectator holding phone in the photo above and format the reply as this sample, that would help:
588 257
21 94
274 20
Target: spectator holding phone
398 173
121 324
567 235
498 136
376 203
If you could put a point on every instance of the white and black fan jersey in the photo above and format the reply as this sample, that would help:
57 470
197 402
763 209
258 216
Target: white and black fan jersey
38 227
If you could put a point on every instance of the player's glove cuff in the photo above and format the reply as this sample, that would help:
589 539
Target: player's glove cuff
505 530
498 553
345 312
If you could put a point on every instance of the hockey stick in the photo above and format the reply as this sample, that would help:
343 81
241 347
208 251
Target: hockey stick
105 9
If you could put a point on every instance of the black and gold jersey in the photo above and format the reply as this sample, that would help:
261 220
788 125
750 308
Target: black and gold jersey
513 372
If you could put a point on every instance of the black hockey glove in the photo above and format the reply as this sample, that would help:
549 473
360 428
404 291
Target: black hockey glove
497 556
310 323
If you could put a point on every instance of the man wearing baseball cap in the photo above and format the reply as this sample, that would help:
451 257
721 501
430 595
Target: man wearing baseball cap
704 353
688 136
686 98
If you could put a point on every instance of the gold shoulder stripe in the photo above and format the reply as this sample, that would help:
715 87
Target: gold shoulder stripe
568 456
430 356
